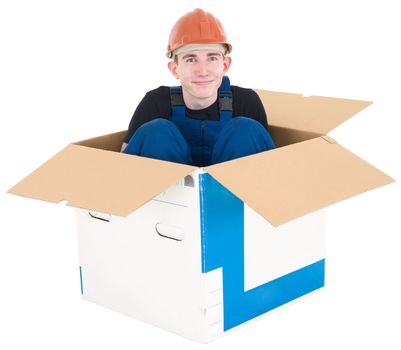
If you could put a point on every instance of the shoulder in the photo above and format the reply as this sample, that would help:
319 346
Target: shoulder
156 101
246 102
244 94
245 97
160 92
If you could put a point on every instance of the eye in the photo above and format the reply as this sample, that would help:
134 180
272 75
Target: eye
190 60
213 58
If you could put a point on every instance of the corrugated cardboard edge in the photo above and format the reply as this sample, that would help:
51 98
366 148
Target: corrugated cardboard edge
315 114
292 181
100 180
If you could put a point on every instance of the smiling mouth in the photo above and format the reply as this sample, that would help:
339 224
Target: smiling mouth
201 83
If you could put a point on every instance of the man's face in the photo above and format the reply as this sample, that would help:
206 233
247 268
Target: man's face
200 72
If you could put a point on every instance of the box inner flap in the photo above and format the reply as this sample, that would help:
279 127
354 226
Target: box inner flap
110 142
289 182
104 181
315 114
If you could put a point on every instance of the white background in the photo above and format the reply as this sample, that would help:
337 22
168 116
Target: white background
71 70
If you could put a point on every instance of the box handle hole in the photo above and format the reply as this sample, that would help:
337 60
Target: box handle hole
168 231
100 216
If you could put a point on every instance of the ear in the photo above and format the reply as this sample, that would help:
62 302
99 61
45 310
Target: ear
172 66
226 63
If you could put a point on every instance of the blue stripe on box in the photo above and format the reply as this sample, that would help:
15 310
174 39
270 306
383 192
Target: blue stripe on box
80 278
222 235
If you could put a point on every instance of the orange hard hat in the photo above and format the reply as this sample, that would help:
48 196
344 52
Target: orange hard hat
197 27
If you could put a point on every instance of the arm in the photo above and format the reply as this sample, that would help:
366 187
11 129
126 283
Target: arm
155 104
260 111
246 102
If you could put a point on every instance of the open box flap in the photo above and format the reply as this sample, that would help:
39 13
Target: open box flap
315 114
289 182
99 180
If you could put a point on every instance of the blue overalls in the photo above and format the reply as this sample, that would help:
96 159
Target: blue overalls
186 140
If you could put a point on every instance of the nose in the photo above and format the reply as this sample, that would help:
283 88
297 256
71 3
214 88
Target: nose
203 69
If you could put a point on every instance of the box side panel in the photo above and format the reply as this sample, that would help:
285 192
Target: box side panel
223 246
130 267
272 252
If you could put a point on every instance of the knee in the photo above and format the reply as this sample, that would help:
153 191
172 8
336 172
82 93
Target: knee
241 137
159 139
245 124
243 127
156 127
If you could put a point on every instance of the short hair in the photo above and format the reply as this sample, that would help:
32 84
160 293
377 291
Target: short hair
175 57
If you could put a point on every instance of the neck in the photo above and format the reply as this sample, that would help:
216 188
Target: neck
198 103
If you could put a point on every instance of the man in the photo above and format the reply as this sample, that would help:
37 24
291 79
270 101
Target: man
205 120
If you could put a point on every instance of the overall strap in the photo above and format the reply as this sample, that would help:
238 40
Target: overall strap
225 100
176 96
177 104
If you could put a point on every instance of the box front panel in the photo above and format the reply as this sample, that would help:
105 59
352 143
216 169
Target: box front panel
290 261
148 265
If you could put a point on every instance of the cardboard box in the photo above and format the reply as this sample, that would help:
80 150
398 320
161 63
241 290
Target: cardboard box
200 251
